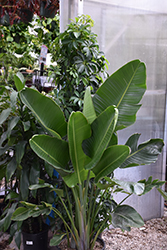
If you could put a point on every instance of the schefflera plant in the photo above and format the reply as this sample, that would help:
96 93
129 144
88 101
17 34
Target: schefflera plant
85 152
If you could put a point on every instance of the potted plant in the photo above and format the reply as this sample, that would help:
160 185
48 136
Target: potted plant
85 152
80 63
19 165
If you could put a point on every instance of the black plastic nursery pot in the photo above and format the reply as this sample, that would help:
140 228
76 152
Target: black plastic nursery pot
38 241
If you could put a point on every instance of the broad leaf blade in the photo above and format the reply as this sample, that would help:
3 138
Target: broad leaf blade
132 187
4 115
149 184
126 217
11 167
56 239
24 183
102 130
78 130
88 108
71 180
21 213
145 154
111 159
19 81
163 193
124 89
53 150
46 110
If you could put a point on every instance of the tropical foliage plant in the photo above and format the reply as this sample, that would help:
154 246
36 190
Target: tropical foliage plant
19 165
80 63
85 152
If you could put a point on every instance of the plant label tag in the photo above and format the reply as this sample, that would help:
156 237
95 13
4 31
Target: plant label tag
29 243
43 55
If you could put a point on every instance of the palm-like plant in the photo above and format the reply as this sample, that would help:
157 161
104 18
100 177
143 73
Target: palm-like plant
85 152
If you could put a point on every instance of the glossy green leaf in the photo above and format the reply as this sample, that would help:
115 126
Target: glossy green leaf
56 239
150 184
12 195
88 108
11 124
126 217
102 130
26 125
131 187
111 159
145 153
163 193
114 140
37 186
124 89
21 213
4 115
11 167
46 110
13 98
53 150
20 149
71 180
78 130
18 238
7 218
19 81
24 183
49 169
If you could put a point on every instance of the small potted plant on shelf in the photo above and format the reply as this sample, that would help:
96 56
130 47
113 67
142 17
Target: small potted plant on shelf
85 152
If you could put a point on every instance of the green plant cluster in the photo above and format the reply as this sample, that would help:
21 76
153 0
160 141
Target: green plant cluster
19 165
85 152
20 43
80 63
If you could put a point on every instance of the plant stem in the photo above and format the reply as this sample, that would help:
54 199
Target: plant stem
124 199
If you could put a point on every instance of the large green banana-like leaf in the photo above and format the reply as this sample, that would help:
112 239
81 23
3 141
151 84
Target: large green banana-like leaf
88 108
78 130
46 110
112 158
144 154
53 150
126 217
124 89
102 130
71 180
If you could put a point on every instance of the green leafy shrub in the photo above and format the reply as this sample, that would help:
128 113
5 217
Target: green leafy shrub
80 63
